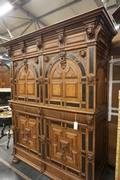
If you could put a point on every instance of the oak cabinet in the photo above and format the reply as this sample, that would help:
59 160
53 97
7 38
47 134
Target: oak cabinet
58 76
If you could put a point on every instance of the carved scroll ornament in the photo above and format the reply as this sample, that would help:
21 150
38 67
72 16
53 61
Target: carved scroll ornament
62 60
25 66
90 30
60 38
39 43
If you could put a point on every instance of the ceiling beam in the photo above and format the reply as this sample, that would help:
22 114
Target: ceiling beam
10 34
118 3
60 8
27 13
4 38
26 28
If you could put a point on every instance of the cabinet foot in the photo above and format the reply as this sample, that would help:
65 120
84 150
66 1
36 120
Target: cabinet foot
15 160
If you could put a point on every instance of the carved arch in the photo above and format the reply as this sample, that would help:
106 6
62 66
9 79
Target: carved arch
70 56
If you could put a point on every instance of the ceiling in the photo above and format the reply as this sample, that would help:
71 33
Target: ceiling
31 15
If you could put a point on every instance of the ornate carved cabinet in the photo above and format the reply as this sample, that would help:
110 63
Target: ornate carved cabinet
58 76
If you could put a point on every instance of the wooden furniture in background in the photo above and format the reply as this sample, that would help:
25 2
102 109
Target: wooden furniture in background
58 75
4 75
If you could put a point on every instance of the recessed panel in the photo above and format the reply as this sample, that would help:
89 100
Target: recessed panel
21 88
70 90
56 89
31 89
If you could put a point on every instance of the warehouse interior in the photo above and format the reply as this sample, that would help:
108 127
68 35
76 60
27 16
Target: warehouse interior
28 41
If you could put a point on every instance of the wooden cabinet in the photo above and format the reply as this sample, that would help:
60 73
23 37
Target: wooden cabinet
4 75
58 75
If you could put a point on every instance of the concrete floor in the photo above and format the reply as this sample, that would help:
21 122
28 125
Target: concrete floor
21 171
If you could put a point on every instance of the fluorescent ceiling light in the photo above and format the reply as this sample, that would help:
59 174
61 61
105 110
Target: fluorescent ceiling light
5 8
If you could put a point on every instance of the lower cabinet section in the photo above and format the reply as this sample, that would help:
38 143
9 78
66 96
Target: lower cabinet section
51 145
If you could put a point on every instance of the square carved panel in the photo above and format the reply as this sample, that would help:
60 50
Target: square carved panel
28 134
65 146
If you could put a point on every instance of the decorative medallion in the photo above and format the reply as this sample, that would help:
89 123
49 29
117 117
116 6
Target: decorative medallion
46 58
91 79
82 53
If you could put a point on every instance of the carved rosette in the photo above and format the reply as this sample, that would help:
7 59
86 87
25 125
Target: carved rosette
40 81
90 157
83 53
89 119
63 146
63 60
91 79
46 59
90 30
27 132
42 139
